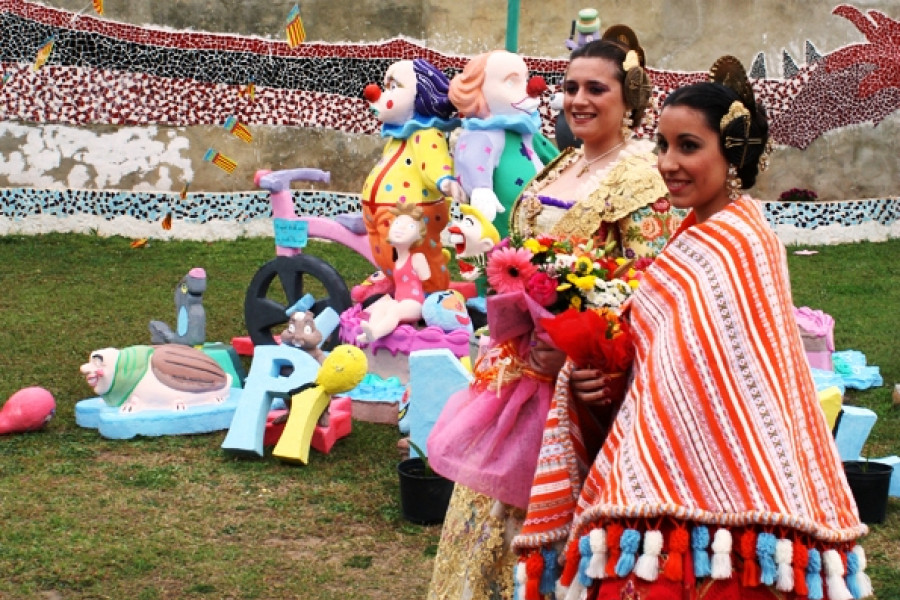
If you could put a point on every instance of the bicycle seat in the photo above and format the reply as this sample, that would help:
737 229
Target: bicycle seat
352 221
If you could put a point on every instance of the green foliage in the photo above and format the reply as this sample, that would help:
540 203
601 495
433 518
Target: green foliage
174 517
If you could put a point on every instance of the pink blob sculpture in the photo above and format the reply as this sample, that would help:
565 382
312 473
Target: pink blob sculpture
29 409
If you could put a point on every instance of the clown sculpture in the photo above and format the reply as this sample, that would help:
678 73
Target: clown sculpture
472 237
501 147
415 168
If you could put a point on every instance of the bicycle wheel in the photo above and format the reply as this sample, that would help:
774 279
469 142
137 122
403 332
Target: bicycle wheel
265 303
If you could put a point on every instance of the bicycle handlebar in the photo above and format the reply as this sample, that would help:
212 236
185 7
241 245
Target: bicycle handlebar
279 181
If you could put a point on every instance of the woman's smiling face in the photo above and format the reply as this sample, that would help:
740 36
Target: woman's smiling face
592 100
691 162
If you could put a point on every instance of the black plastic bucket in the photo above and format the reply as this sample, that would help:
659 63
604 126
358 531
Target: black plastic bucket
423 496
870 483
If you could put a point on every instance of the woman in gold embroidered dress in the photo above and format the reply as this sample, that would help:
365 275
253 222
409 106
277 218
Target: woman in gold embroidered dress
610 191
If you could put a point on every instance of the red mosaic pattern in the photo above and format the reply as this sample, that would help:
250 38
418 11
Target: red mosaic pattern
89 96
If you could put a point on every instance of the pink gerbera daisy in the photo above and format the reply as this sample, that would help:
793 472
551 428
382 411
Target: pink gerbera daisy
509 268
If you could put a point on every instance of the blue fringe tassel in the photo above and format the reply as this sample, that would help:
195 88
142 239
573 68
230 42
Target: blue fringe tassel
630 542
584 548
765 555
852 574
551 570
699 543
814 575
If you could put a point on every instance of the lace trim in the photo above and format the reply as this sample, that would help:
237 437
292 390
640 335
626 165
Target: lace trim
608 195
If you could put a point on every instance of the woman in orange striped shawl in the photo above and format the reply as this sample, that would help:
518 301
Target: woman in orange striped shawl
719 477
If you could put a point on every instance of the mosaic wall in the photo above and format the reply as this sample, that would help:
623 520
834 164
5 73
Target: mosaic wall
77 69
104 72
211 216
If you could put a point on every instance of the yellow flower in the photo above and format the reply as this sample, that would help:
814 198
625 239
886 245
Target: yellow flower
534 246
633 283
575 302
563 287
585 282
620 261
583 265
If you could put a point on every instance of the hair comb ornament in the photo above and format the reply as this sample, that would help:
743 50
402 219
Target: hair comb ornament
637 88
625 35
729 71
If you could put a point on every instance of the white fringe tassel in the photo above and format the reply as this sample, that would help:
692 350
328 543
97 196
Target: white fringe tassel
784 554
647 567
834 576
721 558
597 566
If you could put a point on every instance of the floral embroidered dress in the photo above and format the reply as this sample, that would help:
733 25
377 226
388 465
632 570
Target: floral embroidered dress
624 202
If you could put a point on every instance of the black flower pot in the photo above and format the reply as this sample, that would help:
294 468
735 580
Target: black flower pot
424 495
870 483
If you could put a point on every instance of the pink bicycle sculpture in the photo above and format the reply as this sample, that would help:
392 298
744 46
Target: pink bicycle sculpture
291 267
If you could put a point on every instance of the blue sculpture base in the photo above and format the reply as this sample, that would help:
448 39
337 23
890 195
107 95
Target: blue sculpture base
93 413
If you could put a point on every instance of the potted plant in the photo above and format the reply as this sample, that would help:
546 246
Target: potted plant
424 495
870 482
798 195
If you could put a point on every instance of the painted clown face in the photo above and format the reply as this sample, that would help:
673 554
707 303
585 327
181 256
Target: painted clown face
100 370
395 105
468 236
505 85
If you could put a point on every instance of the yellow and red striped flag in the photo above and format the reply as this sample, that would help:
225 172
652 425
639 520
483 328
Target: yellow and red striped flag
220 160
249 90
98 6
238 129
294 26
43 53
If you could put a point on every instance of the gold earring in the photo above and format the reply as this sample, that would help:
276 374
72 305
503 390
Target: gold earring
733 183
627 122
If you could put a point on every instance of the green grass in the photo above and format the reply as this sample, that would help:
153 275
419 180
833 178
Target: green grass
173 517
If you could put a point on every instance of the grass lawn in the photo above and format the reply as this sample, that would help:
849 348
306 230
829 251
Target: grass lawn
174 517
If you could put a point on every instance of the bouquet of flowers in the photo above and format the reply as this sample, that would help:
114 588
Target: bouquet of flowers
580 285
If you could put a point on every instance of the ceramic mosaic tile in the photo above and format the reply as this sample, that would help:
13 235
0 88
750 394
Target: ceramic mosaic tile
104 72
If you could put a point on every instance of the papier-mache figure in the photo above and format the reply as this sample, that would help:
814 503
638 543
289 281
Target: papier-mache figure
410 270
302 331
472 237
165 377
415 167
190 326
501 147
587 27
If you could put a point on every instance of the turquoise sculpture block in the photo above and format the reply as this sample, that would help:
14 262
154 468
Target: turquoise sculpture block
853 429
434 375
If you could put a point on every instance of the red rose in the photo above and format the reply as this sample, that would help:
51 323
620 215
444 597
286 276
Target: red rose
542 288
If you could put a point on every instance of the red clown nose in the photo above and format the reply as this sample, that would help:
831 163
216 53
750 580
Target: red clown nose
372 92
536 86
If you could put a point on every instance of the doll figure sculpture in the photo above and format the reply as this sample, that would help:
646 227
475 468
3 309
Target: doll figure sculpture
587 26
415 167
501 148
410 271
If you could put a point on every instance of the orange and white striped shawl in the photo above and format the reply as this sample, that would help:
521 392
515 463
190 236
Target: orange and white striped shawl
722 424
